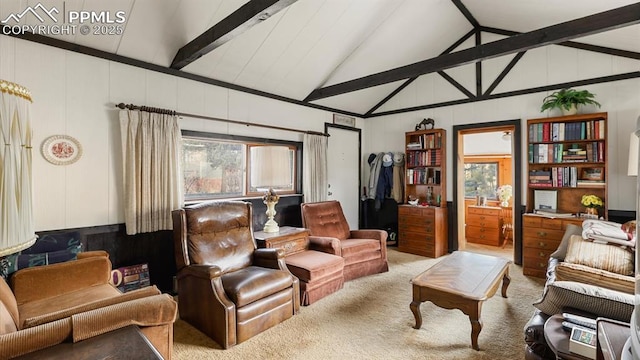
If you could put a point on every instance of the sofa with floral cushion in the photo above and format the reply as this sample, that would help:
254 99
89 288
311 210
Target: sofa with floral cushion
586 276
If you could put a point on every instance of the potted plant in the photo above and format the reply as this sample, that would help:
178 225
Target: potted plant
592 203
567 100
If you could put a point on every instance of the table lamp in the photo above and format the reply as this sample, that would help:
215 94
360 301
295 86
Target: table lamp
16 205
631 350
273 171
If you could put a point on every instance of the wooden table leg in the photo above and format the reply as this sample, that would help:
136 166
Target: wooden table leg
476 324
415 308
506 280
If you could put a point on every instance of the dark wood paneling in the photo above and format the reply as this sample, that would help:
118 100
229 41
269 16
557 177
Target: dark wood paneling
156 248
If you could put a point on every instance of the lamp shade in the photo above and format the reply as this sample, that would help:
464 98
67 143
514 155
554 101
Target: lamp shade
270 167
16 207
632 168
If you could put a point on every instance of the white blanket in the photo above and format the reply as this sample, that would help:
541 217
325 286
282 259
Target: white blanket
607 231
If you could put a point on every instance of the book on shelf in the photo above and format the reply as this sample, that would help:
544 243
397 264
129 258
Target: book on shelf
567 131
591 183
553 213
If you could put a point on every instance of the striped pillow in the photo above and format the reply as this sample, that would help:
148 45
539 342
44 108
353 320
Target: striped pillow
607 257
561 295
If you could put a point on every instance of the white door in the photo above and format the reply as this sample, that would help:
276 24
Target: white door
343 154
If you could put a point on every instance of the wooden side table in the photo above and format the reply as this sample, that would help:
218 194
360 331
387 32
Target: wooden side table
291 239
612 335
123 343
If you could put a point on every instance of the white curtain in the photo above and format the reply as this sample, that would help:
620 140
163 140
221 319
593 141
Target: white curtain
314 174
16 187
151 156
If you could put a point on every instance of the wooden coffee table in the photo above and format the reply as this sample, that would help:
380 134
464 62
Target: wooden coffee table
463 281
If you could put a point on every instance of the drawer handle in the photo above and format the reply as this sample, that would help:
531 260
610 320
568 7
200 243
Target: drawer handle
288 246
542 265
481 236
541 254
542 233
481 230
541 244
481 217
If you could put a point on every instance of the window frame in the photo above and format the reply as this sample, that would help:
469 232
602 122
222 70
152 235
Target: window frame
249 141
482 161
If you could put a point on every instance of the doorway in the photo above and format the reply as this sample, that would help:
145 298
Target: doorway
485 160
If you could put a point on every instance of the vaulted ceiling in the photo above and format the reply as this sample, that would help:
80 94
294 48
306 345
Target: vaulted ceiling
347 56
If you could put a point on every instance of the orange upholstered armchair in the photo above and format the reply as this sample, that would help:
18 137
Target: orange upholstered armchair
73 301
227 288
364 251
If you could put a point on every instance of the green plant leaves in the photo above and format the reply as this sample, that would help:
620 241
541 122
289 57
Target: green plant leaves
565 98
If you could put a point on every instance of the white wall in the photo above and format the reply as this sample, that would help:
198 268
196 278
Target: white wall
539 67
76 94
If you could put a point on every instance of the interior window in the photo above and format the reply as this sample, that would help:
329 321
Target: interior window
212 168
481 179
230 168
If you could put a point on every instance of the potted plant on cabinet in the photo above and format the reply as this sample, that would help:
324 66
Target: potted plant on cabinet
568 100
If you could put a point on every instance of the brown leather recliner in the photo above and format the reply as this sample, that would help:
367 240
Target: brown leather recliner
227 288
364 251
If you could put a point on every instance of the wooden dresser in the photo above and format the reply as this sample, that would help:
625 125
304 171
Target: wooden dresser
541 236
484 225
422 230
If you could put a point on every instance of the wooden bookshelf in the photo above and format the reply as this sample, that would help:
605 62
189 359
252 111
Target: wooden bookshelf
568 155
422 229
566 174
425 156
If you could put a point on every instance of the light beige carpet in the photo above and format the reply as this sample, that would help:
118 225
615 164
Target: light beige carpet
370 319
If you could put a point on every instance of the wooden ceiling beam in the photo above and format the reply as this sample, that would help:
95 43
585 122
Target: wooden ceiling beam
241 20
572 44
467 14
604 21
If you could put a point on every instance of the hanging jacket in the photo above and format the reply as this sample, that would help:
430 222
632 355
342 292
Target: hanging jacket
374 175
397 192
385 183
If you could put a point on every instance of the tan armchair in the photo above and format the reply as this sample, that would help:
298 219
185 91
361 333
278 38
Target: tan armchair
227 288
364 251
73 301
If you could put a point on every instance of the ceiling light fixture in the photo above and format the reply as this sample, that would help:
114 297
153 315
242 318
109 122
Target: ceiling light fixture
264 16
506 136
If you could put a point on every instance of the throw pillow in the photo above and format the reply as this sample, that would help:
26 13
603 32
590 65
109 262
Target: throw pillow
561 295
54 242
19 261
561 252
607 257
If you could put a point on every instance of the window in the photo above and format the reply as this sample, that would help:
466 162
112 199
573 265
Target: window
219 166
481 179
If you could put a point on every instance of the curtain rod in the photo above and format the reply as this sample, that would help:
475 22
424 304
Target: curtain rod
173 112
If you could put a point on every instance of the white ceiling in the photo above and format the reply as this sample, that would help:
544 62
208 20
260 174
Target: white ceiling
315 43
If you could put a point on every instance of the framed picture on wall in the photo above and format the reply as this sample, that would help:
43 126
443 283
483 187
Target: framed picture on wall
345 120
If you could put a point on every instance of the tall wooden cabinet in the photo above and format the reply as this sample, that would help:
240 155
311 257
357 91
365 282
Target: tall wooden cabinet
422 228
567 158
